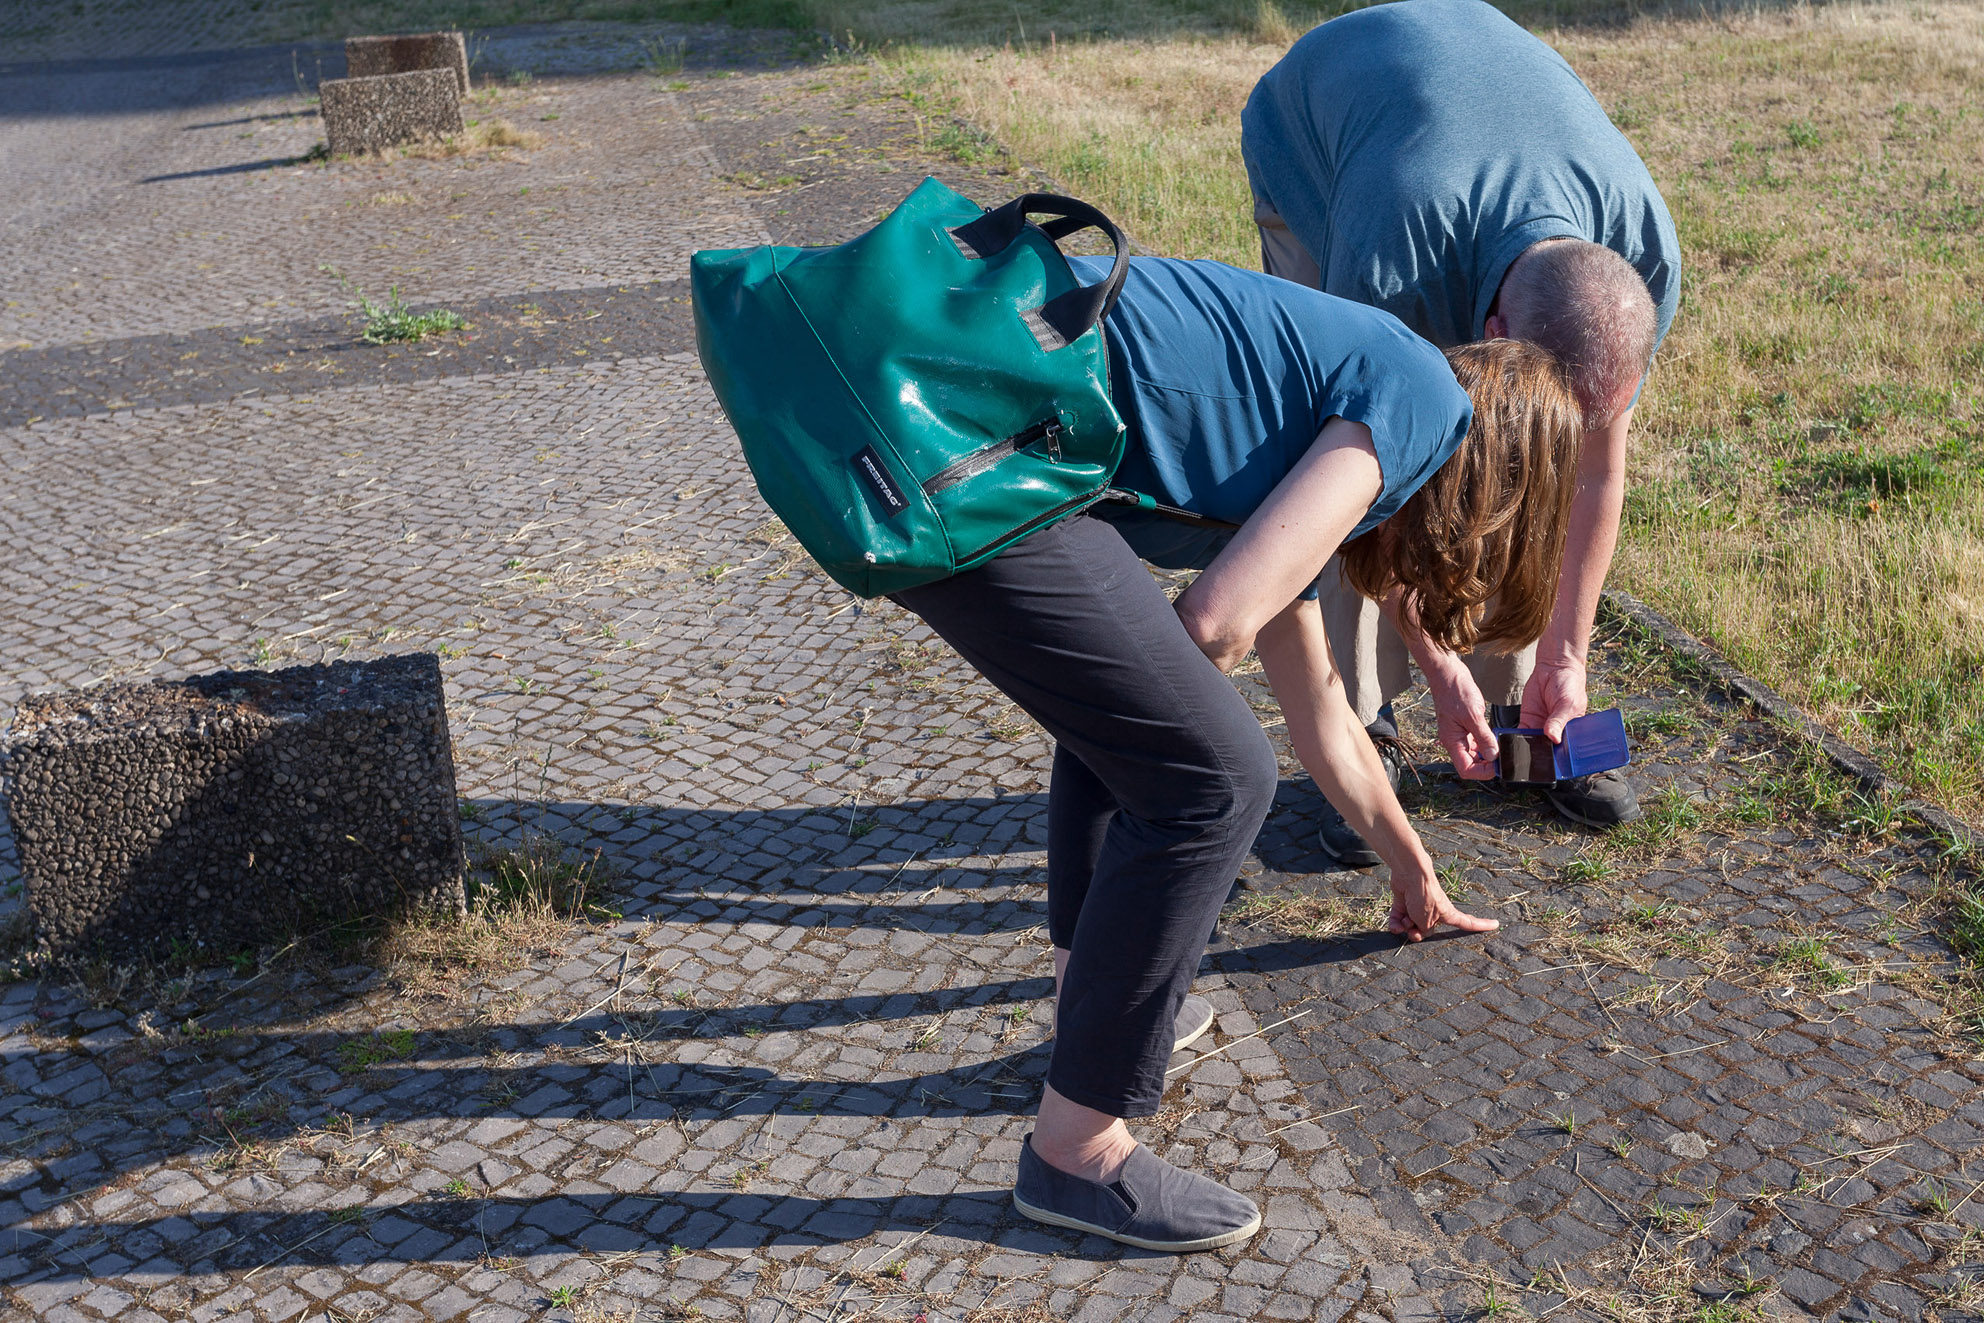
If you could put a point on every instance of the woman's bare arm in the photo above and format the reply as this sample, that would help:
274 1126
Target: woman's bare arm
1285 543
1295 653
1246 599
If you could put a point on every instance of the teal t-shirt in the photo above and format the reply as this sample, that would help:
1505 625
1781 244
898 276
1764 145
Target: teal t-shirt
1225 376
1416 148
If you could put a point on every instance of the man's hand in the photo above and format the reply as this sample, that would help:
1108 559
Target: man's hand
1461 719
1554 694
1420 905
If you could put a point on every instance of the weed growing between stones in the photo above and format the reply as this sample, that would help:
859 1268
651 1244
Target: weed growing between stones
393 322
523 899
480 135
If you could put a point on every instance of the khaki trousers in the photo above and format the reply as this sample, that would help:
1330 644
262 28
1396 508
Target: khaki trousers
1369 653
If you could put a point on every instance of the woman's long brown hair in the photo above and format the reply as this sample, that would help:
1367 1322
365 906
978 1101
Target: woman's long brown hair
1478 549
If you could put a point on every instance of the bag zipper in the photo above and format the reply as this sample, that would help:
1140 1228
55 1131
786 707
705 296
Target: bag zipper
1045 517
1048 430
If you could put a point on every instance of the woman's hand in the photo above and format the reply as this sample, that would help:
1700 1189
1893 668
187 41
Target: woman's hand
1461 719
1420 906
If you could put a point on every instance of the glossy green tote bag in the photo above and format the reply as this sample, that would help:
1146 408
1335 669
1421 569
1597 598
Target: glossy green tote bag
917 399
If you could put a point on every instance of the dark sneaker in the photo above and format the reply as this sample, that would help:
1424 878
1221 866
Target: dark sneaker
1151 1204
1194 1018
1339 839
1604 799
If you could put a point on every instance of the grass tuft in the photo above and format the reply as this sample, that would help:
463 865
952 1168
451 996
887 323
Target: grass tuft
522 899
393 322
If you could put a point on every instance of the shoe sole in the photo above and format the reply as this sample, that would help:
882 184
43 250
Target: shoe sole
1368 859
1601 824
1161 1246
1180 1044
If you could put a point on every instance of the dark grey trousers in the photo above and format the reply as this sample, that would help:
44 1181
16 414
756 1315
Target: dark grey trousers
1162 777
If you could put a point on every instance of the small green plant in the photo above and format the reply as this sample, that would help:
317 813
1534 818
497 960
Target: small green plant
1811 958
1666 1217
360 1054
1803 134
519 78
1650 914
1589 868
1933 1200
346 1216
564 1297
1568 1124
1621 1148
457 1188
663 56
1496 1305
394 322
897 1270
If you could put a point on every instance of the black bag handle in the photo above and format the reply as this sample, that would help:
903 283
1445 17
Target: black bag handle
1066 318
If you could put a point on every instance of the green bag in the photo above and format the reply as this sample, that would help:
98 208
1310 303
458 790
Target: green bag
917 399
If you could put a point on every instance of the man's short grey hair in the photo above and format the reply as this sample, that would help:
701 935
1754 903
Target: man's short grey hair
1588 306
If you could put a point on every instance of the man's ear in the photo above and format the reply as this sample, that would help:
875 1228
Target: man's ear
1496 327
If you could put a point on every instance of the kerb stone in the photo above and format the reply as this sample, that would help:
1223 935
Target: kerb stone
228 808
374 113
367 57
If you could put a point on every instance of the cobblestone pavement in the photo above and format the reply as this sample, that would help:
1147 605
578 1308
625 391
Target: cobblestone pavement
1711 1054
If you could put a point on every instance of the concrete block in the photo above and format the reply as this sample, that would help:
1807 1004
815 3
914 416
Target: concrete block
371 114
367 57
231 808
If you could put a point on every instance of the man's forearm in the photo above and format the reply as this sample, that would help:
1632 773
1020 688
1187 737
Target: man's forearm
1588 547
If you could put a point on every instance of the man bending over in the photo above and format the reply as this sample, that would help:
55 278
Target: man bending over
1433 159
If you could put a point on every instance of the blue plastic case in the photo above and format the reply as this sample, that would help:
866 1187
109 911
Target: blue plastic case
1595 742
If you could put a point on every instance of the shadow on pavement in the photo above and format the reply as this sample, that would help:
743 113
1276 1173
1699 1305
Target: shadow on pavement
443 1228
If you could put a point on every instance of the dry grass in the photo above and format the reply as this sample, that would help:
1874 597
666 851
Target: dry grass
1313 918
481 137
524 900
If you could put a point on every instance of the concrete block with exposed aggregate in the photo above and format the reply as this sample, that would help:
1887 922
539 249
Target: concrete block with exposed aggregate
229 808
374 113
366 57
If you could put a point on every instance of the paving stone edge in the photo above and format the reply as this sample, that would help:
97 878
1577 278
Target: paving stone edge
1868 776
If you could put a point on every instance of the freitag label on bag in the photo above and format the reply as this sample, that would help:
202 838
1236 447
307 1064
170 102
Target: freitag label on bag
868 465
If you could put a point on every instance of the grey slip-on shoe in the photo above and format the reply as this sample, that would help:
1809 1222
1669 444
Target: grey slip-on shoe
1194 1018
1151 1204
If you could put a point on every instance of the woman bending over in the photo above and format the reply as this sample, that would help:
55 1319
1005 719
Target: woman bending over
1317 425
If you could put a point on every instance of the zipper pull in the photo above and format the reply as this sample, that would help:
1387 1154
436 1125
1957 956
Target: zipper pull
1053 441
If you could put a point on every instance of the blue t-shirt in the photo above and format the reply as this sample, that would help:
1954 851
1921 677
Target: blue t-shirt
1225 376
1417 148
